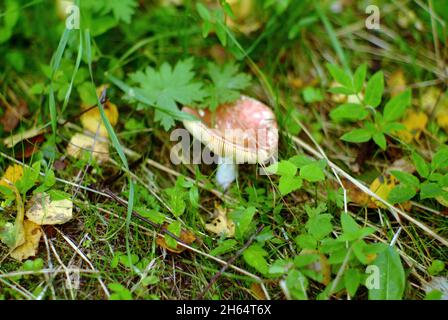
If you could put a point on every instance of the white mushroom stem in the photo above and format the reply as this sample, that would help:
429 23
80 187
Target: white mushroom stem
226 173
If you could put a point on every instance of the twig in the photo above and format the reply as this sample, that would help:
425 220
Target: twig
229 262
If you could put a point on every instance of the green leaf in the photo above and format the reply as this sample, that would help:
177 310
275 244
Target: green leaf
341 90
224 247
288 184
305 259
167 87
349 111
340 75
122 9
227 83
420 165
300 160
436 267
440 159
242 219
306 241
406 178
396 106
312 172
297 284
352 280
311 94
349 224
255 257
359 77
430 190
357 136
320 226
374 90
401 193
175 228
380 140
282 168
392 276
203 11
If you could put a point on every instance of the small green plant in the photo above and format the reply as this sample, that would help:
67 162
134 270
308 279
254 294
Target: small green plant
363 107
119 292
433 183
307 169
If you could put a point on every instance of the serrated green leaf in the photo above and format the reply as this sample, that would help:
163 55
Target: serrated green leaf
227 84
312 172
288 184
255 257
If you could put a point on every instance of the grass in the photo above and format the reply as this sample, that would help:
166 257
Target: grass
107 252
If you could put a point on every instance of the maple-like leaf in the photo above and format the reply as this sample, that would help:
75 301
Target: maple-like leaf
167 87
122 9
227 84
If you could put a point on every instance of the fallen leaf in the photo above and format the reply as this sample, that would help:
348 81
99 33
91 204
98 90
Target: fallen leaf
13 234
12 174
99 147
221 224
11 118
186 236
430 98
443 200
396 82
244 20
415 123
11 141
28 147
257 291
29 248
91 120
43 210
382 186
356 195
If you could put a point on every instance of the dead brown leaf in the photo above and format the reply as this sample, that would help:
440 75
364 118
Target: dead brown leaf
33 233
186 237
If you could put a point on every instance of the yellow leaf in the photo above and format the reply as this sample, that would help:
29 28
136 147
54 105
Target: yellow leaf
12 174
396 82
46 211
382 186
415 123
442 120
221 224
79 143
443 200
29 248
91 120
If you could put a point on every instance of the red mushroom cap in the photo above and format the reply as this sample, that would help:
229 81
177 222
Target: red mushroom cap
245 131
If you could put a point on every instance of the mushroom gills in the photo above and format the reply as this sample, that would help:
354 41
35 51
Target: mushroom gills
226 173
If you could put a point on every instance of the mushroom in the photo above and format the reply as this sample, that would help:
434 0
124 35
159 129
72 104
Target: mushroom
245 131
